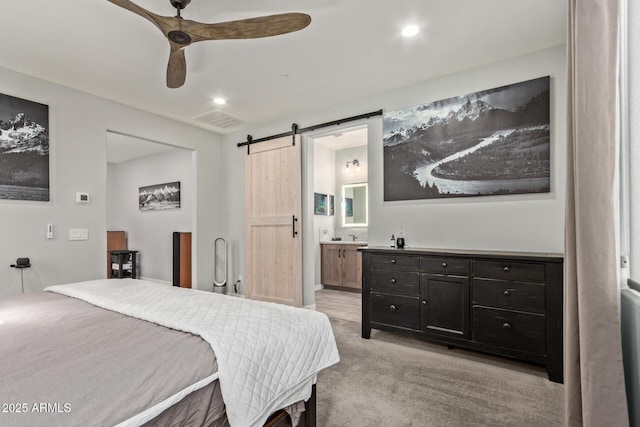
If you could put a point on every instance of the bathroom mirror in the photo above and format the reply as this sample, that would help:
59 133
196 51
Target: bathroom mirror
354 205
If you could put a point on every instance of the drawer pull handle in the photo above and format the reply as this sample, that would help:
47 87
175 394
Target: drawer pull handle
506 326
444 265
424 302
393 281
506 293
506 269
393 308
393 261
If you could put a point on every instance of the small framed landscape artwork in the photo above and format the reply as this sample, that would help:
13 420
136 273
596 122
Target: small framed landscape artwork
159 197
319 204
331 205
24 149
491 142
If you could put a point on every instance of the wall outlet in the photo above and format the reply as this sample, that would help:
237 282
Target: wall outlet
624 261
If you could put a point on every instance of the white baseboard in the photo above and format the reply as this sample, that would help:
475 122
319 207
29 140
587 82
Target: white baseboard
311 307
319 286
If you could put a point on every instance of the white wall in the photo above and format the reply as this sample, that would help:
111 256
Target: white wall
513 223
150 232
634 143
529 222
78 126
324 179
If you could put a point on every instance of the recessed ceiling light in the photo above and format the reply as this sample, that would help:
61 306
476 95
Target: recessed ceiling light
410 30
283 76
219 101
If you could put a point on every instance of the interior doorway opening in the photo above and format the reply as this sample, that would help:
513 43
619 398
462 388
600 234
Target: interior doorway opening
135 167
338 163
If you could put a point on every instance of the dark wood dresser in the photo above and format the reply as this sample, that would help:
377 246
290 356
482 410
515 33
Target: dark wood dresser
505 303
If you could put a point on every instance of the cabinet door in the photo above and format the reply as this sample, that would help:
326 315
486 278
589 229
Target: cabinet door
330 270
445 305
351 267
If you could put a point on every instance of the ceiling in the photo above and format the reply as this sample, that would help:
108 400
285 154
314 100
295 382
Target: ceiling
122 148
352 49
344 139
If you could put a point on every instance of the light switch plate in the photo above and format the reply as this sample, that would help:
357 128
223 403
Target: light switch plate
78 234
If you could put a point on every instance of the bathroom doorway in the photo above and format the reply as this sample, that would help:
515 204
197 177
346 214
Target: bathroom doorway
340 219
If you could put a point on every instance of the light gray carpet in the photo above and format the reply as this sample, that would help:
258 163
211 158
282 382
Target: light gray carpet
394 380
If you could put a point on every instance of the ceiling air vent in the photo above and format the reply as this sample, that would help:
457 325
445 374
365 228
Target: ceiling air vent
218 118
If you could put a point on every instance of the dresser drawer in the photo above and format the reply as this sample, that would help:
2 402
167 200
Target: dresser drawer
509 329
403 262
508 270
395 282
512 295
441 265
395 310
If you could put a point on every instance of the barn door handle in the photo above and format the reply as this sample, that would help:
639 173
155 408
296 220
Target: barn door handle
295 233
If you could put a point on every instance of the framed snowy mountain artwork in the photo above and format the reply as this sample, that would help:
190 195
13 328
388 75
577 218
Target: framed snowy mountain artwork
24 149
491 142
159 197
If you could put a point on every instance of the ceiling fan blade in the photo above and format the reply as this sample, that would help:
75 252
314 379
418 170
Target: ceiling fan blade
177 68
157 20
252 28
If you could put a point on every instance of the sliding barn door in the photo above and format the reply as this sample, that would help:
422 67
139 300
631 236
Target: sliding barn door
273 267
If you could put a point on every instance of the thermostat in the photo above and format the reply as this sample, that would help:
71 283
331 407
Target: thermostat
82 197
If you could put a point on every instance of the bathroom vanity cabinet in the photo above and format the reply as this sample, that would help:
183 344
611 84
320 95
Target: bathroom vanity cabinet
341 266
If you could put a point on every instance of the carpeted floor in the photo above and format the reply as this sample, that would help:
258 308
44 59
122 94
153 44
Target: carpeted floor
395 380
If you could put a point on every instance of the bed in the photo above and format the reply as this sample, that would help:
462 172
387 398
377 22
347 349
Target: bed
130 352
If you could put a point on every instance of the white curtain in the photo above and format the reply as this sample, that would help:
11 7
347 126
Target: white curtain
594 382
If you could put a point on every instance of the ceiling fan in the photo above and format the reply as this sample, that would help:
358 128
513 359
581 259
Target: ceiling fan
182 32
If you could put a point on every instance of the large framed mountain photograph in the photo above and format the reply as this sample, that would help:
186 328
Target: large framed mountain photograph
491 142
24 149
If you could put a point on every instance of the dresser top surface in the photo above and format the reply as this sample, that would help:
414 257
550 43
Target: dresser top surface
553 257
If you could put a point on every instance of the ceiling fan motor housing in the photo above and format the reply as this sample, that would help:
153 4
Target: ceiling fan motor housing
180 4
179 37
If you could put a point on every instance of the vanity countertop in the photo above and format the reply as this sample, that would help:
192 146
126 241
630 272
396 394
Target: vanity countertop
344 242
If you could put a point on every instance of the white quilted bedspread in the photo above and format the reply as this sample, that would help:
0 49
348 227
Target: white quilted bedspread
266 352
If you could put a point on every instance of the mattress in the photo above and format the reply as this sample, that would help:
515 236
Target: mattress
67 362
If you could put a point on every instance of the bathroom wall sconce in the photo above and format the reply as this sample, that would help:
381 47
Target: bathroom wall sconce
355 163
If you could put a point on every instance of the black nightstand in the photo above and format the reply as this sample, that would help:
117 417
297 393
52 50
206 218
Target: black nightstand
123 264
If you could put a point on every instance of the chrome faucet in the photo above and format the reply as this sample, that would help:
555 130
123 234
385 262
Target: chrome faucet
353 237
